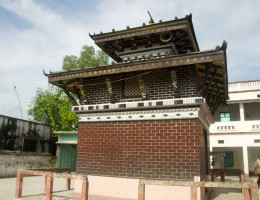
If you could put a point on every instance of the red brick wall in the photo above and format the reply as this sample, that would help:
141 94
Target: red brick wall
163 149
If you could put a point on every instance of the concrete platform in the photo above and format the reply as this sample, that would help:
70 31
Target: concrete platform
104 188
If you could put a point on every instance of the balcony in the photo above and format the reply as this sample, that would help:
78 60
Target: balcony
244 86
235 127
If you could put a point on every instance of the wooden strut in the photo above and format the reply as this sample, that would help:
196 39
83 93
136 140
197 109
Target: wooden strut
49 175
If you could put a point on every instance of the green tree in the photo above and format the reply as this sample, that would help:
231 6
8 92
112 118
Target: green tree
70 62
52 107
88 58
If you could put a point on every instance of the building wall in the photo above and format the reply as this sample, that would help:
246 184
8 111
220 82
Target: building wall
237 153
16 133
242 134
158 85
161 149
11 161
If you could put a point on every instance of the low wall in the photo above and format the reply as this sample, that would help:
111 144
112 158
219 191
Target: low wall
10 161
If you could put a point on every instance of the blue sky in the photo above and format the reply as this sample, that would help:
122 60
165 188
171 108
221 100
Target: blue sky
36 35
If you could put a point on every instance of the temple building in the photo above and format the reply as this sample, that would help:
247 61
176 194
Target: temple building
147 115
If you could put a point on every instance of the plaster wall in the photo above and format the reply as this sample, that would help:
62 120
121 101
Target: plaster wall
234 140
244 95
12 161
15 132
244 146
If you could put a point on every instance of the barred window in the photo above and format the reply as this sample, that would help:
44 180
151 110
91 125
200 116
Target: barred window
131 87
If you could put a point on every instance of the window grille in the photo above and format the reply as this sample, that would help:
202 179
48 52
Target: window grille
131 87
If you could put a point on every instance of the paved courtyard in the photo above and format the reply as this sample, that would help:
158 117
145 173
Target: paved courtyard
103 188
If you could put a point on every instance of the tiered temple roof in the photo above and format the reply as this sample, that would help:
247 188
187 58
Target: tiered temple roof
156 46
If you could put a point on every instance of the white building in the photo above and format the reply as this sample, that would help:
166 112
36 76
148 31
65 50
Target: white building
236 130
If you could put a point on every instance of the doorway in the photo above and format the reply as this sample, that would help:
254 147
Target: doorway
67 156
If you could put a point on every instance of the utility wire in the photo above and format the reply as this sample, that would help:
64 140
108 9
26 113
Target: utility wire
15 90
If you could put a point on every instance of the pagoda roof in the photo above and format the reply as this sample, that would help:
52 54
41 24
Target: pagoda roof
114 42
211 66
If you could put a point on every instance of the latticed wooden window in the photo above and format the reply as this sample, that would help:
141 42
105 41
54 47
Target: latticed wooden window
131 87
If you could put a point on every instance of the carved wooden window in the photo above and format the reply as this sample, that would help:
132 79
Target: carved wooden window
131 87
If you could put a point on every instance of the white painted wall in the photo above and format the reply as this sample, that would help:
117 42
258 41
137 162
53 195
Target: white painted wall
242 134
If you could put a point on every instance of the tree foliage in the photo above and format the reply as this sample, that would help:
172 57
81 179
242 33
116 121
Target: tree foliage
88 58
52 107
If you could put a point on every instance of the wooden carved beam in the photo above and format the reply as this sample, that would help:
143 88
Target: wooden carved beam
204 80
111 46
142 87
75 86
110 91
210 81
81 93
215 101
73 100
215 107
217 74
174 84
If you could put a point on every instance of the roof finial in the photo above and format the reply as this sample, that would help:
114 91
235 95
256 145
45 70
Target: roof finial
151 19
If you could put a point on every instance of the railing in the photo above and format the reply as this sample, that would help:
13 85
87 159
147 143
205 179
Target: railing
235 126
226 128
243 86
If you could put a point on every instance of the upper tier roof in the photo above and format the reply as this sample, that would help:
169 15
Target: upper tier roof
178 35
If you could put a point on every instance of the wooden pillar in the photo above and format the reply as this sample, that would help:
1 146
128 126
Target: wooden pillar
250 191
84 190
208 178
254 191
49 187
212 176
68 182
202 190
241 178
194 191
207 190
19 184
141 191
222 176
246 193
45 183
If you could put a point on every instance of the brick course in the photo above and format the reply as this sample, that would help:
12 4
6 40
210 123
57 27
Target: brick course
162 149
